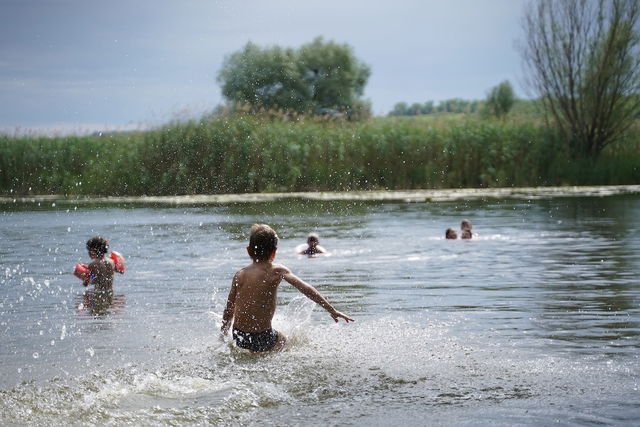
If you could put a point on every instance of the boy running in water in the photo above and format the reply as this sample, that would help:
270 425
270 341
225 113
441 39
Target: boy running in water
252 299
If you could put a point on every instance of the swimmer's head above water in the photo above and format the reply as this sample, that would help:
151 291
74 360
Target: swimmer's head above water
97 247
450 234
313 245
313 239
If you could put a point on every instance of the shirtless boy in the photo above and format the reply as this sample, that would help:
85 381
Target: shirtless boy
252 298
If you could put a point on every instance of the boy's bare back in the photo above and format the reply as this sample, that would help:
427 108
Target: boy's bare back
256 288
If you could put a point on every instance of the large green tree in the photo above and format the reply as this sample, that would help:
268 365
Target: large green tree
322 77
264 77
583 58
500 99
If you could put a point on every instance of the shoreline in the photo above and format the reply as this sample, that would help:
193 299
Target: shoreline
408 196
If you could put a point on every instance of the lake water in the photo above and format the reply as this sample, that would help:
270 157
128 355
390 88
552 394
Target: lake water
534 321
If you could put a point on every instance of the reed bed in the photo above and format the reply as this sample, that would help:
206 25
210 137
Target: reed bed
265 153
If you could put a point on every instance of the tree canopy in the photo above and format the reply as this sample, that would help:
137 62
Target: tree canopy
321 77
583 58
500 99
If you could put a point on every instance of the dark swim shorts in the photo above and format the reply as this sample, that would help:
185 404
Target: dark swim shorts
255 341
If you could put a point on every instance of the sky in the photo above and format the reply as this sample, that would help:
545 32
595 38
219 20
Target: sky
77 66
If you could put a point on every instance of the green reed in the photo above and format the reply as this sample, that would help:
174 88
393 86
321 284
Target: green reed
246 153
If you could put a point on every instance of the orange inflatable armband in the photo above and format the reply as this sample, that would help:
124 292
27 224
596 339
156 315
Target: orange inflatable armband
118 260
81 271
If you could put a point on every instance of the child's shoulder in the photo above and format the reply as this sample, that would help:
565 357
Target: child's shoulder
280 269
257 268
243 270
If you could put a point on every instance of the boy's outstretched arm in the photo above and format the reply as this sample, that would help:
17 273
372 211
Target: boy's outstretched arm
313 294
227 315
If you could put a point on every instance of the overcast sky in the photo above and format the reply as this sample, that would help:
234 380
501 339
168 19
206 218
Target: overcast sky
84 65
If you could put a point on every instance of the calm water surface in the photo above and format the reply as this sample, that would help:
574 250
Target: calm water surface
535 321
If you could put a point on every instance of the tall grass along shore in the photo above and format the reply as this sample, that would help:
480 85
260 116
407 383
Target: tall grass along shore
251 154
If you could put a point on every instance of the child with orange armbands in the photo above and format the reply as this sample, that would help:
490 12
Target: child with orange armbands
100 270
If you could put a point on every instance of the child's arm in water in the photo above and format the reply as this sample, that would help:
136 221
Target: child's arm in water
229 310
313 294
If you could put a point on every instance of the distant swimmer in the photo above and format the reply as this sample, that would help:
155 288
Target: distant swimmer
465 228
252 298
450 234
313 246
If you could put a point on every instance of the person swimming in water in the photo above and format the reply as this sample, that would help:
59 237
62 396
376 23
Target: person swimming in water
313 246
465 229
450 234
252 298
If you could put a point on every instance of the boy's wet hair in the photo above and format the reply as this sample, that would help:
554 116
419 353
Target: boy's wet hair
314 237
262 241
98 245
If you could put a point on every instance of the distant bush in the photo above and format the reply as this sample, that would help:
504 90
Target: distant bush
453 105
